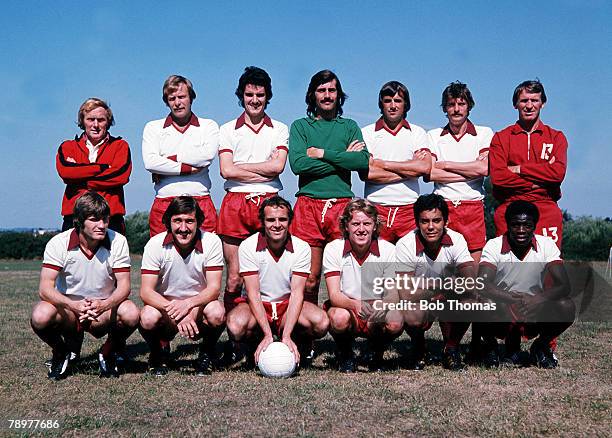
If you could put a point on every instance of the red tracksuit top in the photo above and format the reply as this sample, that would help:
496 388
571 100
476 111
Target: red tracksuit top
542 156
106 176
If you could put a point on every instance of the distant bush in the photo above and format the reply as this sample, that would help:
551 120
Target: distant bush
137 231
23 245
586 238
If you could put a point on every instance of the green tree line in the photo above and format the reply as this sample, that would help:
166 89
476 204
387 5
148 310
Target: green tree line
584 238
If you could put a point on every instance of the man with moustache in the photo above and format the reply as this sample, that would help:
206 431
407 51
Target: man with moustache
460 150
177 150
324 148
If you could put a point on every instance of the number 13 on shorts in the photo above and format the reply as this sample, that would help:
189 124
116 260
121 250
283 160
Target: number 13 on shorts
550 232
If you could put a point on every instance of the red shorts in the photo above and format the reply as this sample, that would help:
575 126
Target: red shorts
467 218
361 325
550 223
239 214
275 312
317 221
397 221
160 205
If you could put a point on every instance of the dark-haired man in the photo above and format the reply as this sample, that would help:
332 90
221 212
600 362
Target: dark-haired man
433 251
460 150
528 162
252 155
323 150
84 286
351 307
275 265
178 150
525 276
400 155
181 280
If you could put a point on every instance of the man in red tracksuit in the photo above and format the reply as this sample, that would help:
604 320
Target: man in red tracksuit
96 161
527 161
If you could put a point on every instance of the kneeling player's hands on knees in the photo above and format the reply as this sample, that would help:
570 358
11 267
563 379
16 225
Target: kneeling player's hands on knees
178 309
188 328
366 310
265 342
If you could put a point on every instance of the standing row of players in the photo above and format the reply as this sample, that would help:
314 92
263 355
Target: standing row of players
85 285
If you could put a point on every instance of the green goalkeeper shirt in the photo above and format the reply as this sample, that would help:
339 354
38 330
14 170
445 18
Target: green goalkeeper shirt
330 176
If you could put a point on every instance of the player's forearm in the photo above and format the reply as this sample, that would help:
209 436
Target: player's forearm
470 169
235 173
347 160
408 168
51 295
378 175
152 298
442 176
258 311
270 168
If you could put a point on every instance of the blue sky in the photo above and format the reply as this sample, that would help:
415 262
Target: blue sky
57 54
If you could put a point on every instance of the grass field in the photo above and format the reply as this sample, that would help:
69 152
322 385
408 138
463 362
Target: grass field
574 400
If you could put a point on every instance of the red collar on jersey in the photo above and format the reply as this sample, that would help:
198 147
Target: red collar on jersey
241 121
506 244
380 124
373 249
471 129
262 243
420 242
193 121
74 242
169 239
517 128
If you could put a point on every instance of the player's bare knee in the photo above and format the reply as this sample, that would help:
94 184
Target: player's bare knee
150 318
128 314
320 324
339 320
43 315
237 325
214 314
414 318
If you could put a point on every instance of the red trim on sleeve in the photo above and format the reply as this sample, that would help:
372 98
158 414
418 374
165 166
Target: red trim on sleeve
483 150
285 148
149 272
50 266
185 169
226 150
124 269
302 274
246 274
422 149
332 274
214 268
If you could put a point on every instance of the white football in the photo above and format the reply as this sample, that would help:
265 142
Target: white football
276 361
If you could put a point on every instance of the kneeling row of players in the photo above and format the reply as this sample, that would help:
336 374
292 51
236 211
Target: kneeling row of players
85 284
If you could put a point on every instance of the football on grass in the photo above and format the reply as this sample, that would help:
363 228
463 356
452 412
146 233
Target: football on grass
276 361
